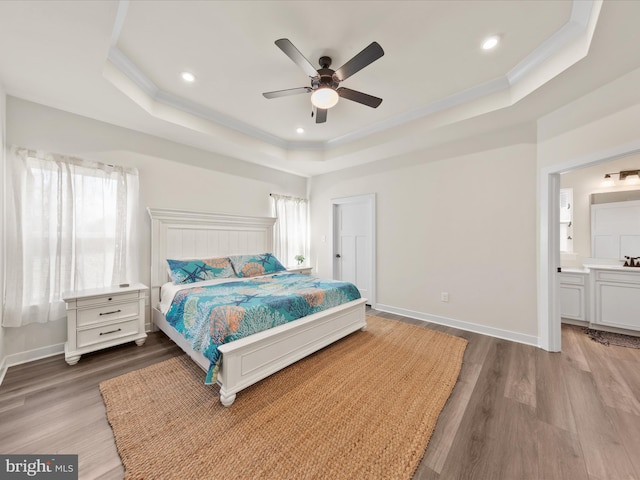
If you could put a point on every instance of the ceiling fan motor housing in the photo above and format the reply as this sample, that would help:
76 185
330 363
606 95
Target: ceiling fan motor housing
326 76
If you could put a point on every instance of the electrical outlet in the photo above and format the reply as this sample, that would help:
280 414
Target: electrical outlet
444 296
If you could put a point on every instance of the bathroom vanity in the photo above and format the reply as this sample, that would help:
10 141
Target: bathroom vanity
574 293
615 293
603 297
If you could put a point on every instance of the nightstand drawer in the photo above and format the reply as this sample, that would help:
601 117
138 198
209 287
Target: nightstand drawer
116 297
106 333
107 313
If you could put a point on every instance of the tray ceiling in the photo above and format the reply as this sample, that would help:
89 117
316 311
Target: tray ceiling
121 62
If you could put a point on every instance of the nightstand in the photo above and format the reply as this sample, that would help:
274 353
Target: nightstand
300 269
104 317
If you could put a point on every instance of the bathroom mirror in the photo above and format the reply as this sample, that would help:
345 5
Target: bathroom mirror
615 225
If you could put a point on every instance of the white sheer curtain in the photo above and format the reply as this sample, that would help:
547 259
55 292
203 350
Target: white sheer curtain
69 227
291 228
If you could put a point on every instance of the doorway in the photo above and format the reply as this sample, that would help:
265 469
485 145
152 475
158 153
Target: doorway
354 247
549 323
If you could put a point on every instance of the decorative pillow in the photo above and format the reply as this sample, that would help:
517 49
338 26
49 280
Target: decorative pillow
191 271
252 265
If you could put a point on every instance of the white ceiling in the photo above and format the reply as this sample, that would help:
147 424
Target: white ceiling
120 61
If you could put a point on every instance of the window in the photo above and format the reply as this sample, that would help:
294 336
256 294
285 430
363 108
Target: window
566 220
69 227
291 228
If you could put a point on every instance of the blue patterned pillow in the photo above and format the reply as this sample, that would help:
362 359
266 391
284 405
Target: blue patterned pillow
191 271
252 265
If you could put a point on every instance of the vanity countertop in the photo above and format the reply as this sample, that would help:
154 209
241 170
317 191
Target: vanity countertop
574 270
587 267
613 267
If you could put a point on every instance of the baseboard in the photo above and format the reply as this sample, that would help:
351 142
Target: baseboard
3 369
29 356
571 321
462 325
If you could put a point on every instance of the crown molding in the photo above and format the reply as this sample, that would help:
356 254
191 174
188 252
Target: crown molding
577 25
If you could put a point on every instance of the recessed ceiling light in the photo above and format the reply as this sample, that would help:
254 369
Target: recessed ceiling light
300 130
490 42
188 77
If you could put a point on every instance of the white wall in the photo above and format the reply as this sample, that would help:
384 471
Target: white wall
228 186
463 224
2 157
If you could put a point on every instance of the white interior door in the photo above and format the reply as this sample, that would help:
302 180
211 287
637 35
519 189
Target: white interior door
354 243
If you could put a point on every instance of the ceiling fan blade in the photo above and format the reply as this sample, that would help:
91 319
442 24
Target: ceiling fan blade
294 54
285 93
369 55
363 98
321 115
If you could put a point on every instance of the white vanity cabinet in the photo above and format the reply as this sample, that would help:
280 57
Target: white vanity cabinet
573 295
616 297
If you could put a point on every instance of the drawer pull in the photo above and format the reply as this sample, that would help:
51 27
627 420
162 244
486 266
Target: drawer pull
112 331
109 313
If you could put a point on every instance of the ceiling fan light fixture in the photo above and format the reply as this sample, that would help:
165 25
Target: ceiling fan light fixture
325 81
324 98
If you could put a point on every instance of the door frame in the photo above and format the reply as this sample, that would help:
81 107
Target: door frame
549 323
370 201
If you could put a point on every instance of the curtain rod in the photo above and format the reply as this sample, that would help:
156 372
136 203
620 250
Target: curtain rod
288 196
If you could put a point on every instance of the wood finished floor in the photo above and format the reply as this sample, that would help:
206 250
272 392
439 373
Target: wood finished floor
517 412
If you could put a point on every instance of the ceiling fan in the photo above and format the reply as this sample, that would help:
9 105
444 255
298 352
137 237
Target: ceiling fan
324 88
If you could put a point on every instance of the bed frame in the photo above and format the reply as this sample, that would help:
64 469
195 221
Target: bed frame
182 234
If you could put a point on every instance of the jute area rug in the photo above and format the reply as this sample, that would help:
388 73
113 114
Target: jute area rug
362 408
610 338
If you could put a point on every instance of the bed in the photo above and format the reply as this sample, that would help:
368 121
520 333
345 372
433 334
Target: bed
181 234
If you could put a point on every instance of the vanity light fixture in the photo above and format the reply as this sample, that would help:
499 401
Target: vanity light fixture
630 177
608 181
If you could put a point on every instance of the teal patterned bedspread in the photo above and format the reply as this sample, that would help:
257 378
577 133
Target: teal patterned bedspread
209 316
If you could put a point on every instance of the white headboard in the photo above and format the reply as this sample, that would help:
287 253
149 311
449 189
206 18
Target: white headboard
187 234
